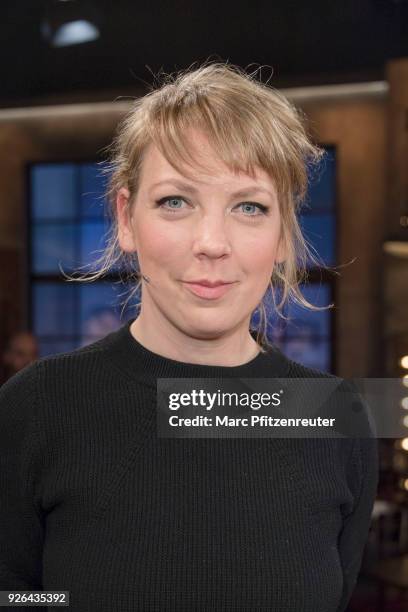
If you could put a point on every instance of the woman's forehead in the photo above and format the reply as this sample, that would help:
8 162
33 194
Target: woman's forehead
203 169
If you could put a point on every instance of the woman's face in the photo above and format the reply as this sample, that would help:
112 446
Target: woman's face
190 229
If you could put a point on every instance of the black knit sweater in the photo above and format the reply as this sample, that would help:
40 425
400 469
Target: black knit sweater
94 502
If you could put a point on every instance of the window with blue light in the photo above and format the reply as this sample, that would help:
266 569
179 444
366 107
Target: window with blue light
67 229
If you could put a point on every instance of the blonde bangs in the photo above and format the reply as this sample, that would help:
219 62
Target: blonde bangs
240 135
172 135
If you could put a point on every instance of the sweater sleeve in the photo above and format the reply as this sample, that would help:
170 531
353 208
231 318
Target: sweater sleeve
21 523
363 469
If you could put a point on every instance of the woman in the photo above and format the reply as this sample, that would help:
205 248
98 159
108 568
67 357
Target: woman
207 173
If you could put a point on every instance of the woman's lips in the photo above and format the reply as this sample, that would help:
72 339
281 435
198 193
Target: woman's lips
208 293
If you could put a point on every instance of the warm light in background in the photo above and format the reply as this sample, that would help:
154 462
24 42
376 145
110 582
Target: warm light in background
404 362
404 403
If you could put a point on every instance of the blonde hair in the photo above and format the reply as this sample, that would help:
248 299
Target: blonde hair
249 124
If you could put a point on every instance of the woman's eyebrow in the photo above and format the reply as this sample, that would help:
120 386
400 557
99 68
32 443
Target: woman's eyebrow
245 192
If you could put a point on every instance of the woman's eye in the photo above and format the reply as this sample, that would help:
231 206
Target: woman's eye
172 204
171 200
251 206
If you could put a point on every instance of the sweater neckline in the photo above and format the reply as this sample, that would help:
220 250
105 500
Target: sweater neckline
137 361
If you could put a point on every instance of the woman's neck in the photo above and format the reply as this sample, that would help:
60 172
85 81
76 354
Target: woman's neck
164 339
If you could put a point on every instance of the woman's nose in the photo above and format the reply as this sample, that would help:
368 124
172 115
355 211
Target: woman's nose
211 236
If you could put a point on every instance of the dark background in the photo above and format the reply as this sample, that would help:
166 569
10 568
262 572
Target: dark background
303 42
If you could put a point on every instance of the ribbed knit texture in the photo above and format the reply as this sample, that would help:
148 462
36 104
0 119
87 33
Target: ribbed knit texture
92 501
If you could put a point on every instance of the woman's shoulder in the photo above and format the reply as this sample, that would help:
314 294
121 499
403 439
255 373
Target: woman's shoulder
342 397
76 358
296 369
49 390
19 388
18 405
80 353
56 368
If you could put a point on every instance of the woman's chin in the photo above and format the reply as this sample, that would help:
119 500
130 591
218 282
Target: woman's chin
208 331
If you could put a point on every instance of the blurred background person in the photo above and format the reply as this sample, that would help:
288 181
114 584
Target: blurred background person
21 350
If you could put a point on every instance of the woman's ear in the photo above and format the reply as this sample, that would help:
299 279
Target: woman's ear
125 231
